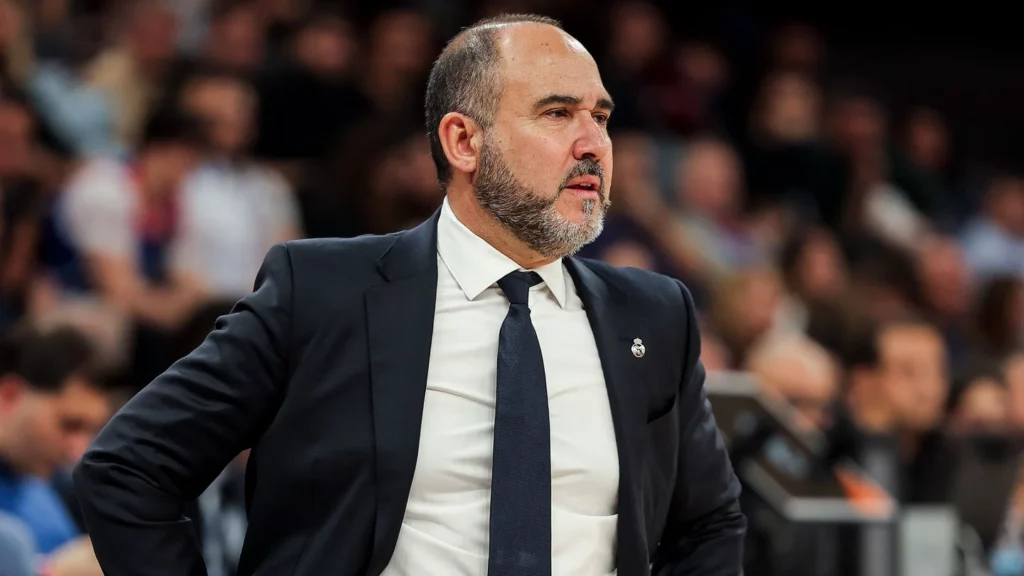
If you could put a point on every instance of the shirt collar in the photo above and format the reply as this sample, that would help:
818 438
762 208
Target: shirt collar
476 265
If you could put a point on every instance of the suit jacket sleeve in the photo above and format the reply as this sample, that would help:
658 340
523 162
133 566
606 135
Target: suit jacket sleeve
167 444
705 529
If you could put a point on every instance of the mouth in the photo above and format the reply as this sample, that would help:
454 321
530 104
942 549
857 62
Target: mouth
588 187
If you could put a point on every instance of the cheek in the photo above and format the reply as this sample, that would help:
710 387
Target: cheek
540 163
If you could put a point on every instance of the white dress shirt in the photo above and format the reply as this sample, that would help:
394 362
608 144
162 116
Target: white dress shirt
230 217
445 528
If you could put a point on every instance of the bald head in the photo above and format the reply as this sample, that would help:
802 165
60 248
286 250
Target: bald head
800 371
467 76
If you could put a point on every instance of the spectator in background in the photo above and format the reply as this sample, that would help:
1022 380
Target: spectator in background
994 239
980 403
232 209
947 292
800 372
311 99
51 407
113 233
783 151
897 387
710 193
235 43
236 39
132 72
744 308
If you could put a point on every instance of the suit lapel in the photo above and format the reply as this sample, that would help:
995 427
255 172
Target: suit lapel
614 329
400 323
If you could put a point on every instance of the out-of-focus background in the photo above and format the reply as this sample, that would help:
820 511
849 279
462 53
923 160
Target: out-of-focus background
842 190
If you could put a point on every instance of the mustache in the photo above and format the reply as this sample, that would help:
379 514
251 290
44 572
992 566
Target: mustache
585 167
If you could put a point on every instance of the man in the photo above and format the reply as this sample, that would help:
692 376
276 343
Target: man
232 209
896 395
114 230
800 372
51 407
402 417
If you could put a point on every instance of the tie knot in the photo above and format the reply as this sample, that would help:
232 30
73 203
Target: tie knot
516 286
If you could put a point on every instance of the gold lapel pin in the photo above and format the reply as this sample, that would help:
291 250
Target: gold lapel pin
638 348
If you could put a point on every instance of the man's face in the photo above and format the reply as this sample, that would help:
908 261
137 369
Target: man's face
913 375
228 108
545 165
52 430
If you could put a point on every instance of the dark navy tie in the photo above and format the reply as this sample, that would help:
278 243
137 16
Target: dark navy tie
520 534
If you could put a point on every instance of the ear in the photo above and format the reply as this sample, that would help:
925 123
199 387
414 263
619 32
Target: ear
12 390
461 138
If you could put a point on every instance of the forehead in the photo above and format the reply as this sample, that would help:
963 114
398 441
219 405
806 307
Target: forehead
538 60
900 340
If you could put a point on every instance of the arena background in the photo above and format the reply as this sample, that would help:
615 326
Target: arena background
840 185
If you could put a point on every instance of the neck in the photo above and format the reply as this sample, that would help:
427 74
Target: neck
482 223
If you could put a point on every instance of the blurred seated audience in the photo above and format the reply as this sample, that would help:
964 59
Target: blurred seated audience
52 403
112 234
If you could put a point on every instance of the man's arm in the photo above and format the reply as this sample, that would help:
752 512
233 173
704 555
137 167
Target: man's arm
705 529
173 438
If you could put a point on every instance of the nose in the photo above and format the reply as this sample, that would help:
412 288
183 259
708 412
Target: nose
592 142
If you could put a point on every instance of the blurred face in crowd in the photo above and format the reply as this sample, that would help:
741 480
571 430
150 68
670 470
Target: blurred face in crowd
945 277
791 107
236 39
400 41
702 65
545 163
858 125
709 180
153 33
928 140
983 406
326 47
804 376
912 375
227 106
1005 204
798 46
40 432
821 269
638 35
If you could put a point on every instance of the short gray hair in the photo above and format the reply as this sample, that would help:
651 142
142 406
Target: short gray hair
464 79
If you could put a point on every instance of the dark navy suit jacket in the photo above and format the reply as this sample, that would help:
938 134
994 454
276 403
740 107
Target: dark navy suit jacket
322 371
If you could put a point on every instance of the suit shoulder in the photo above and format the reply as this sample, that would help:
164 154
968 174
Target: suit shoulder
656 288
352 251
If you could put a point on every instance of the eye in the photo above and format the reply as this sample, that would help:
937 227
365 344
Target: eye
558 113
601 118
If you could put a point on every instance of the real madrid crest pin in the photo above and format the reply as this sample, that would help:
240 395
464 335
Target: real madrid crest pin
638 348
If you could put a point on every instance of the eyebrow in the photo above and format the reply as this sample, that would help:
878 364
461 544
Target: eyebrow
602 103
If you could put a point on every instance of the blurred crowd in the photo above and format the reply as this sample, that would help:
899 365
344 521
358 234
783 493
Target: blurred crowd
151 152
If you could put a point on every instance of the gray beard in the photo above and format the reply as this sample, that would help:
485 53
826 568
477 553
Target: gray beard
531 217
